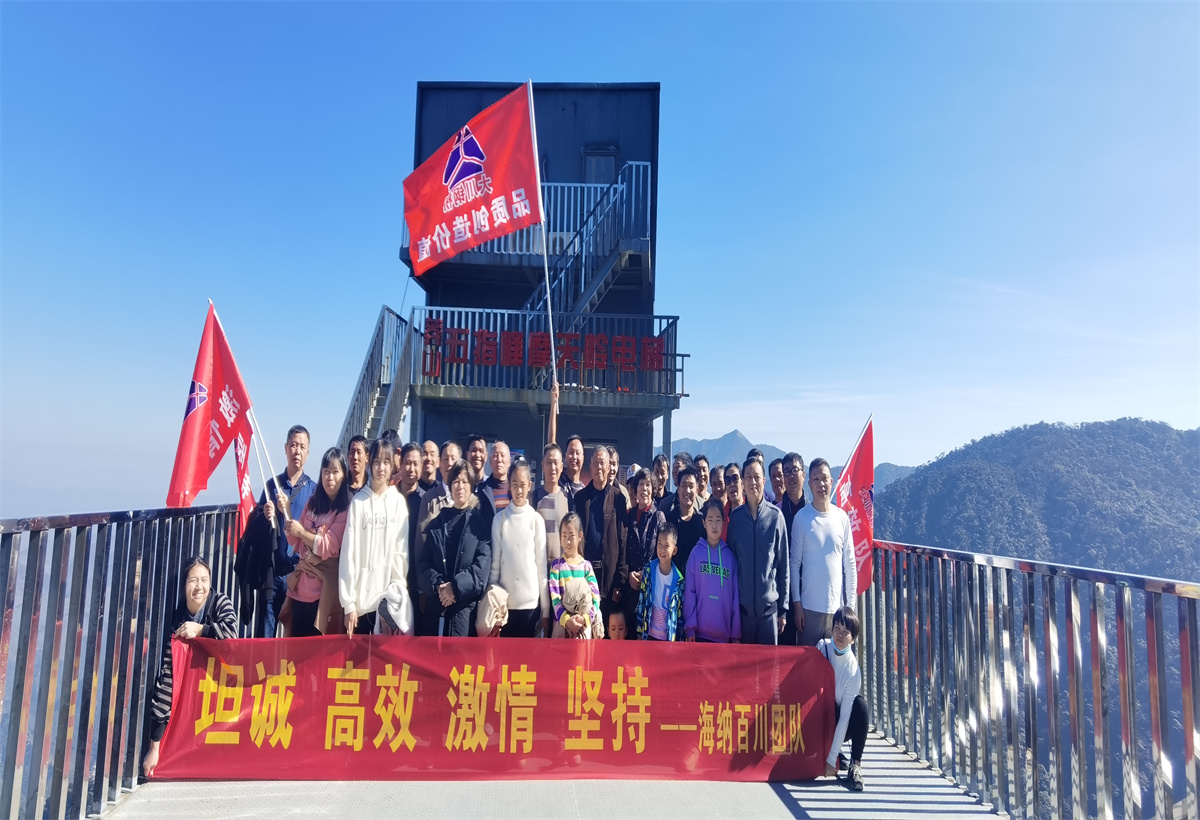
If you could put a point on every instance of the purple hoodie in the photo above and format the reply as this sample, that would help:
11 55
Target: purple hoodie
710 594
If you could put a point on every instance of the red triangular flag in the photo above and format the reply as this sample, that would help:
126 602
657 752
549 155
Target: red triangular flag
214 418
855 494
481 184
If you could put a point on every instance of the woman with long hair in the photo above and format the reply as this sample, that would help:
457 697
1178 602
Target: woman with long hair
200 613
374 560
317 538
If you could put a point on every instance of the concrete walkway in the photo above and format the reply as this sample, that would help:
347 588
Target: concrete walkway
896 787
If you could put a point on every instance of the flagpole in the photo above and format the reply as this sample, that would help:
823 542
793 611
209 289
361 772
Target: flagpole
258 460
537 167
854 449
287 514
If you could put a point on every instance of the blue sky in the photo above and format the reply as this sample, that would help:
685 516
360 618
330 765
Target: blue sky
959 217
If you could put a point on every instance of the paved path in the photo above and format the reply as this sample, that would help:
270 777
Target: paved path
896 787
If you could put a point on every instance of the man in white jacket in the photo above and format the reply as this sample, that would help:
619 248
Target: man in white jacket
824 575
374 560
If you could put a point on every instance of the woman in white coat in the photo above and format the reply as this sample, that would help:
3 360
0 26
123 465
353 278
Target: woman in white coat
373 569
519 564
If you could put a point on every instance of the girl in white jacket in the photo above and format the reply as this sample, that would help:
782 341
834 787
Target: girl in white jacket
850 706
519 563
374 559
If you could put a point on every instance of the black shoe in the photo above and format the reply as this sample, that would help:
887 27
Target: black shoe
841 761
854 777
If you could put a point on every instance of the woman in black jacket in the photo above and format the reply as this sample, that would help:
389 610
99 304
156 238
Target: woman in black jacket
643 523
457 557
201 613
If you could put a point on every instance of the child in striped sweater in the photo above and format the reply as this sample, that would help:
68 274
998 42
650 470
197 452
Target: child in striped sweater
574 593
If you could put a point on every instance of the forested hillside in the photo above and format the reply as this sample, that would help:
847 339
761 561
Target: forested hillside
1121 495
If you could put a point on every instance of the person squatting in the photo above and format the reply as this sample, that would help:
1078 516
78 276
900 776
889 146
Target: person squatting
456 540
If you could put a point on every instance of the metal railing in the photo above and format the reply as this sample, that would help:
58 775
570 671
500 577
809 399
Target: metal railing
669 381
578 271
86 601
964 659
384 355
566 205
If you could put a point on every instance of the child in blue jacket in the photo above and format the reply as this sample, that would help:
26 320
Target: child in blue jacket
660 608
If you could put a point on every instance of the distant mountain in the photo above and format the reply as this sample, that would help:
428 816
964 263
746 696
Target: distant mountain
1121 495
733 446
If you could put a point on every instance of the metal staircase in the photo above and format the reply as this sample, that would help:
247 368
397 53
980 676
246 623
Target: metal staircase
615 234
375 406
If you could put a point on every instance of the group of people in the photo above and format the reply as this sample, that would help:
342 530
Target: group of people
421 539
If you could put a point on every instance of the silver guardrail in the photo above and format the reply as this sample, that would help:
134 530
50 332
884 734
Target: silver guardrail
86 600
384 356
1046 690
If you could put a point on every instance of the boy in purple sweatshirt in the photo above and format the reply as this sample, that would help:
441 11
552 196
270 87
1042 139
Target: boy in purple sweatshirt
710 595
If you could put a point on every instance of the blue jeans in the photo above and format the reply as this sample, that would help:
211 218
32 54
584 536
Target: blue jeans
273 598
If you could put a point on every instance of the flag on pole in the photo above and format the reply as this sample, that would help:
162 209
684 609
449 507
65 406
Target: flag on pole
483 183
214 419
855 494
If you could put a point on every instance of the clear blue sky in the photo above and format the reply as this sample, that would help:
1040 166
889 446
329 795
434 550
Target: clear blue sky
960 217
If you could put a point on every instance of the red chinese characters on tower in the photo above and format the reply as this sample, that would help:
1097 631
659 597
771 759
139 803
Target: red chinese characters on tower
431 350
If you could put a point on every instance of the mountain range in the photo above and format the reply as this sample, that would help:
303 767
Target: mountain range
1121 495
733 446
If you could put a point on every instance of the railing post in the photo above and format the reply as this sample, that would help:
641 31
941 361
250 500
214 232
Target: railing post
1189 667
44 643
1031 763
1079 801
1103 740
1053 727
1131 782
996 783
1009 701
945 719
1160 716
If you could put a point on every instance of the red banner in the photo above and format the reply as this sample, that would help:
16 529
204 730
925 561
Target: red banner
481 184
855 494
375 708
216 416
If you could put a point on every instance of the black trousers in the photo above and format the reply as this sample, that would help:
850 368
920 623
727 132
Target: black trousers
304 617
856 732
522 623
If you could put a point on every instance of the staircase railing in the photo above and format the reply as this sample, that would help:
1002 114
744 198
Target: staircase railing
396 405
566 205
621 212
378 371
964 658
86 601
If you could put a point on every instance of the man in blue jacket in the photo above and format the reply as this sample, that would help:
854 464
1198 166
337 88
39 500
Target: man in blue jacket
758 537
292 488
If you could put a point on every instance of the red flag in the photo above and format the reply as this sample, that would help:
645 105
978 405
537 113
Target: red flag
855 494
481 184
215 418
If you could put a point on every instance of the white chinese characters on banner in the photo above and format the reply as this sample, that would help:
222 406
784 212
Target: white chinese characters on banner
228 406
215 440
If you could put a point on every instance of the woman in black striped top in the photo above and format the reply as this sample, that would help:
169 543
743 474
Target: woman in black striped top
201 613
